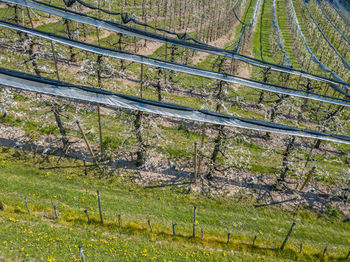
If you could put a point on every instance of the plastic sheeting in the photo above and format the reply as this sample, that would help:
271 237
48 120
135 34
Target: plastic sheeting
331 22
316 60
22 81
119 28
177 67
286 59
345 63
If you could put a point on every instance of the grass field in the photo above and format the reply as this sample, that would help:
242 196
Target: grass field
43 238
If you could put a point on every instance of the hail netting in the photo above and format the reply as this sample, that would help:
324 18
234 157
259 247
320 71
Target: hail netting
345 63
286 59
234 11
118 28
342 13
244 29
314 58
208 11
22 81
331 22
178 67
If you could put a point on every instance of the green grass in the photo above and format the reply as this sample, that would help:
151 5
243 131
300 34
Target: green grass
42 238
262 48
287 38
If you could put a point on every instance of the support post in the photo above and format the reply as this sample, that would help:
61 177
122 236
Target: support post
54 208
81 252
228 237
194 221
288 235
325 251
99 205
173 227
195 160
120 220
25 199
255 237
87 216
141 81
150 225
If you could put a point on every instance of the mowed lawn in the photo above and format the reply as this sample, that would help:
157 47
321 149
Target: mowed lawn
38 236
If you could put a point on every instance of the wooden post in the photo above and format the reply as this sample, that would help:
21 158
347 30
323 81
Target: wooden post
150 225
87 216
87 143
194 221
202 231
288 235
25 199
141 81
55 60
195 162
100 129
301 247
99 205
54 208
99 59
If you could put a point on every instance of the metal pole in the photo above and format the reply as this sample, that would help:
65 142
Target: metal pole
87 216
173 227
141 81
99 205
81 251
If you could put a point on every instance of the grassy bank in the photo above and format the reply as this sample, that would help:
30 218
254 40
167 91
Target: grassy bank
43 238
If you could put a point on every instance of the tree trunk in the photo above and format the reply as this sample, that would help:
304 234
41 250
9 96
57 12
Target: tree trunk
285 162
218 143
65 141
142 152
70 36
